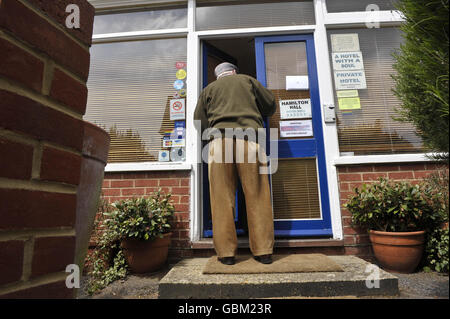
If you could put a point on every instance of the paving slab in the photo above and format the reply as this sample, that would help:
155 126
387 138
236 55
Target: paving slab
185 280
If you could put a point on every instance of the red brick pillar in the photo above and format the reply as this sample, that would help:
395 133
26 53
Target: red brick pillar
43 72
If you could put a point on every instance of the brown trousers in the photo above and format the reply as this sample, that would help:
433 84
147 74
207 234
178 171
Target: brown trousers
224 171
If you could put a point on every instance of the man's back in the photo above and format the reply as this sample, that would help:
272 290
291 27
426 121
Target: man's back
234 101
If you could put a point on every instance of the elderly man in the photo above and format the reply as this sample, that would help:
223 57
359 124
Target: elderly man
237 101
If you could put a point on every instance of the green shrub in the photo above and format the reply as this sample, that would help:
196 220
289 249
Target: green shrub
423 70
144 218
394 207
436 249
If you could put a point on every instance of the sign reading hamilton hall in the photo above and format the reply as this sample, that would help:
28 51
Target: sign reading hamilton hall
295 109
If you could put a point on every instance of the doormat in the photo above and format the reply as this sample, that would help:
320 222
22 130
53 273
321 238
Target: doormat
281 264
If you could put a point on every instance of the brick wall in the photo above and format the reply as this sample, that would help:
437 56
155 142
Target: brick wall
357 241
43 71
117 186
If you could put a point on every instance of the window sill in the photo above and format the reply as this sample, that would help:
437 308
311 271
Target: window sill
382 159
147 166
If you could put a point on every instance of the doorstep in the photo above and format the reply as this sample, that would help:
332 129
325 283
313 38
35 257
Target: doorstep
207 243
185 280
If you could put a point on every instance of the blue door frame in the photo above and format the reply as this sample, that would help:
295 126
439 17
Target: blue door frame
308 148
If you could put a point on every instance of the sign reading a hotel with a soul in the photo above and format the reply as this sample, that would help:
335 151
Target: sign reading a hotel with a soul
348 62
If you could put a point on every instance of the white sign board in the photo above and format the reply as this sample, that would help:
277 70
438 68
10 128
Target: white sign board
344 42
350 80
297 82
347 61
177 109
295 109
296 128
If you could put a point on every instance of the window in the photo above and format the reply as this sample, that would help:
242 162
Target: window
245 14
131 87
138 21
335 6
369 128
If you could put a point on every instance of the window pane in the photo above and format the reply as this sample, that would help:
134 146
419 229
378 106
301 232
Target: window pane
334 6
246 14
284 59
139 21
130 88
371 129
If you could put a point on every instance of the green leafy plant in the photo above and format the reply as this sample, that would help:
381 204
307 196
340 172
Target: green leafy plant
394 207
145 218
436 251
422 66
437 243
142 218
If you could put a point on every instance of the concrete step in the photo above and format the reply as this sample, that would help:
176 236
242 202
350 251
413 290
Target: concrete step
185 280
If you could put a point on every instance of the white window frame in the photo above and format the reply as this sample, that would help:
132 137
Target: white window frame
324 21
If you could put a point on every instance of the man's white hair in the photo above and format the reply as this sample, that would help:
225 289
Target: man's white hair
225 68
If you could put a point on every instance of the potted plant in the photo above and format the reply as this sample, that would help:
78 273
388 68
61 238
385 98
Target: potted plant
397 216
143 226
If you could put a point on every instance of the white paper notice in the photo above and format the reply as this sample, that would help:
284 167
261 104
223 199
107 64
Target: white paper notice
297 82
295 109
344 42
296 128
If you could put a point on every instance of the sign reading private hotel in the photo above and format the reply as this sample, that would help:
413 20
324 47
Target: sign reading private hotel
296 128
177 109
350 80
295 109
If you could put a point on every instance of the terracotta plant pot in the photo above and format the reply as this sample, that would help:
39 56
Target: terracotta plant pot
95 154
144 256
398 251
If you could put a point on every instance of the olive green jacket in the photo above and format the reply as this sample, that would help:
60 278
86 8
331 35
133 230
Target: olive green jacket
234 101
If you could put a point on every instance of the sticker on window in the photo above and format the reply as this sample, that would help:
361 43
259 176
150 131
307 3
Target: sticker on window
177 109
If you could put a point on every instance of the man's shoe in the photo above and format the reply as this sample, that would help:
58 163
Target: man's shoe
227 260
264 259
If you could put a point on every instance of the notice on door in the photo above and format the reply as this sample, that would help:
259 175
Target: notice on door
177 109
296 128
295 109
297 82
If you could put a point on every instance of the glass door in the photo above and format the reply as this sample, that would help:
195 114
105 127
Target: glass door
287 66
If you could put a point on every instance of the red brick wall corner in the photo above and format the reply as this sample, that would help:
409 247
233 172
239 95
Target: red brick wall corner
43 71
